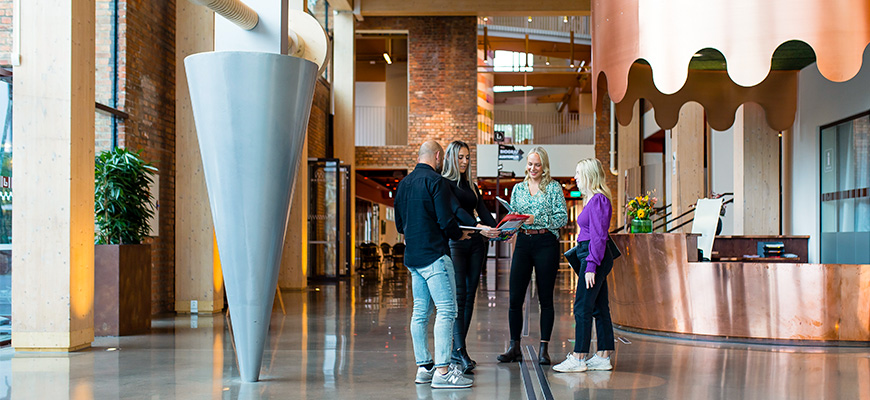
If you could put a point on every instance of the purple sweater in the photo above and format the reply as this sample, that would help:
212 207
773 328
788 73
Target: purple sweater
594 222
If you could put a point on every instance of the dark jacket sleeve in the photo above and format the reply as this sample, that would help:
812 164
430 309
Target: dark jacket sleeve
445 212
482 212
398 208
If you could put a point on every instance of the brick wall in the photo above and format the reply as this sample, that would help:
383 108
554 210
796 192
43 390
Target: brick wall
149 99
317 122
602 152
442 86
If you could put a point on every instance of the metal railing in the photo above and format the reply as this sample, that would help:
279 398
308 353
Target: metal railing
545 127
381 126
553 25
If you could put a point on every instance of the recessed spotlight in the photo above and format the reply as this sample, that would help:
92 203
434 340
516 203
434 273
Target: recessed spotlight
372 62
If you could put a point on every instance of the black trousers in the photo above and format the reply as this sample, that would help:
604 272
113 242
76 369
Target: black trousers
540 253
468 257
593 303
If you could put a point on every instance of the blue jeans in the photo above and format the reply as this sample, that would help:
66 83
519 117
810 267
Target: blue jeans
433 283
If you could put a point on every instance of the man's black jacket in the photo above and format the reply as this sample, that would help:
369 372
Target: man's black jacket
428 215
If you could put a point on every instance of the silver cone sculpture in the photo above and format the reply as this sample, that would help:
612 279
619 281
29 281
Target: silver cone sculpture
251 113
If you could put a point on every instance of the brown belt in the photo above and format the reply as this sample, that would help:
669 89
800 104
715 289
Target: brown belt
535 231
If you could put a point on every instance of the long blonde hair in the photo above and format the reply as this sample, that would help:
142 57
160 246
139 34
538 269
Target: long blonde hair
545 167
451 164
592 178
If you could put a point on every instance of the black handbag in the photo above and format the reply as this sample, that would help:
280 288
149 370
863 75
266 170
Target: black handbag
577 255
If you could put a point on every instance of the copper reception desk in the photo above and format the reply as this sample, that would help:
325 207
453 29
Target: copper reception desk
658 285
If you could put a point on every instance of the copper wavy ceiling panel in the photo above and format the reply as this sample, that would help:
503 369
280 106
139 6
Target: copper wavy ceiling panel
777 94
667 33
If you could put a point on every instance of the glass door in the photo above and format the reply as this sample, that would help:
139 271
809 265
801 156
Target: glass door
845 183
328 222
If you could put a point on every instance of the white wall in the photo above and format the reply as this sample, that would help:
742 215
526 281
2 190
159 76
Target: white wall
371 94
722 160
820 102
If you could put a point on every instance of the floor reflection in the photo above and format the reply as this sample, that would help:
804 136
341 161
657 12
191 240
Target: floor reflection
350 339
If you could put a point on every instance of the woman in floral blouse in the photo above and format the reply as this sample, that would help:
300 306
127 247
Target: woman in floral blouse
537 248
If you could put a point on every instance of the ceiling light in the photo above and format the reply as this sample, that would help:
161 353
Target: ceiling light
388 55
485 19
565 19
372 62
530 18
548 61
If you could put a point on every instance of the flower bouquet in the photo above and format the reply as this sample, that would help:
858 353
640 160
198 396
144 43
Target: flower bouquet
640 209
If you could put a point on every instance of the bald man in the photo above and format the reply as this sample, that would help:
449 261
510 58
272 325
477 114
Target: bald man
426 213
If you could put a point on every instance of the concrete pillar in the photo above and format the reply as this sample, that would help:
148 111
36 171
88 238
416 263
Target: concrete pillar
197 267
53 217
343 86
687 154
756 173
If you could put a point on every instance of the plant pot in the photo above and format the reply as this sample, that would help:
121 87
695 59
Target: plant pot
641 226
122 289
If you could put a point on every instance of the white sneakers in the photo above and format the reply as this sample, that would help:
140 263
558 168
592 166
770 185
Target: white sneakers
597 363
572 364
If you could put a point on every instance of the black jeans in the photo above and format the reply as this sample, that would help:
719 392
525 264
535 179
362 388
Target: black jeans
541 253
468 257
593 303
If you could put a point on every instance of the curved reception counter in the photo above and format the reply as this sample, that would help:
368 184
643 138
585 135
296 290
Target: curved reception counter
658 286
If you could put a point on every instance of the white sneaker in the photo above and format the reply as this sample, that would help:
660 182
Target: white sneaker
570 364
597 363
424 375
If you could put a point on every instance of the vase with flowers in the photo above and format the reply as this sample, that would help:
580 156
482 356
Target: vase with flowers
640 210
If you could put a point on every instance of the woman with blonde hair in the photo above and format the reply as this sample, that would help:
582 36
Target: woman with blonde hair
596 261
468 255
537 248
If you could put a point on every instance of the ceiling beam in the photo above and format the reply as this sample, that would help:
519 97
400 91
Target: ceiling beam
473 7
539 79
539 48
342 5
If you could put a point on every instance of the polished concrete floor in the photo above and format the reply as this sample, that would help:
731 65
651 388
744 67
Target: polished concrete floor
350 340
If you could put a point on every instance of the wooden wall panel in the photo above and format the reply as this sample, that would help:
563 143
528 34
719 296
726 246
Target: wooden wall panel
756 173
197 271
687 180
628 161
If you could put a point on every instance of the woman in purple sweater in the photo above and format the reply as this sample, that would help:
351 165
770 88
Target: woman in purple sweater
591 297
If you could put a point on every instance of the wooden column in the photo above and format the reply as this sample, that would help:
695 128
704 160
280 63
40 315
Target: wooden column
53 217
294 260
688 182
343 86
197 266
756 173
629 161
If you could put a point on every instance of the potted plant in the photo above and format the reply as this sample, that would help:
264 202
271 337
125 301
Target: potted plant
640 209
122 264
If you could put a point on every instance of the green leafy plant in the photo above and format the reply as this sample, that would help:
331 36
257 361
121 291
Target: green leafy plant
122 199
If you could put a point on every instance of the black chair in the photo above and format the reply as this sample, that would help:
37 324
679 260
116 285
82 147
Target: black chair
385 250
399 254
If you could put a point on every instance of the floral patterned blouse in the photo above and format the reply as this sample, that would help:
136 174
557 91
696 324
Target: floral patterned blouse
548 206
